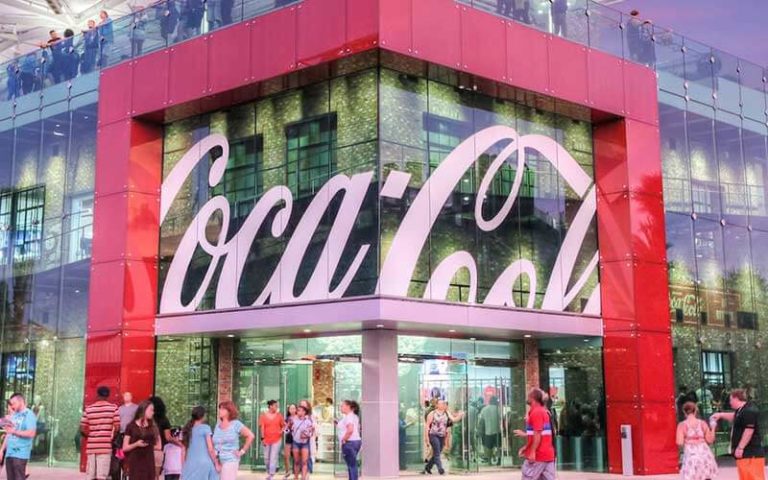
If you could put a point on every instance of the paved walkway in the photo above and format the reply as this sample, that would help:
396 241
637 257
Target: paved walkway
726 473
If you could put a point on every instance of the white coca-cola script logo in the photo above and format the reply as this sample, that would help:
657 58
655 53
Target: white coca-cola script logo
408 242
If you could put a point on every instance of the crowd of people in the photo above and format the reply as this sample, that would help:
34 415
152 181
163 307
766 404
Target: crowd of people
538 453
64 56
137 441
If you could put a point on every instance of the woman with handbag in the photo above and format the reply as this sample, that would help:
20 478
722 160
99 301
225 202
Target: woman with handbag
436 432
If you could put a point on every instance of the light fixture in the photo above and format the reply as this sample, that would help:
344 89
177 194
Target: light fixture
230 335
472 338
586 340
307 330
527 335
452 331
379 326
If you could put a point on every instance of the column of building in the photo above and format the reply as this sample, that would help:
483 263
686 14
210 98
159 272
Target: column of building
380 404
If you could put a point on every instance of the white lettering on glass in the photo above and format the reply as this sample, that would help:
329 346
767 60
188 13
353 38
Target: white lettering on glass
407 244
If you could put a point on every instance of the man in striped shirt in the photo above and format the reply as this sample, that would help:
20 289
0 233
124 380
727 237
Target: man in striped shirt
99 424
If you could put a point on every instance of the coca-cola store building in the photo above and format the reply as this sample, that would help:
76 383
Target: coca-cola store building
393 201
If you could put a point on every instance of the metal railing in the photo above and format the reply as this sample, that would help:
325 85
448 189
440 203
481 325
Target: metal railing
684 66
152 28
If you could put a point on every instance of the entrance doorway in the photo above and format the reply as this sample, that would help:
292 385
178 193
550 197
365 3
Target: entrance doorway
323 380
486 395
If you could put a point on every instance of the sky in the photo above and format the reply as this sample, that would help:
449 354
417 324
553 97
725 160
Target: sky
738 27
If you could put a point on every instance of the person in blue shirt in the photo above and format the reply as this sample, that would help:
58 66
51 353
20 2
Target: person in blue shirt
20 437
107 37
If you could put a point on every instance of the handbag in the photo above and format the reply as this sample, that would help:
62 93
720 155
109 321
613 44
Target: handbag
428 453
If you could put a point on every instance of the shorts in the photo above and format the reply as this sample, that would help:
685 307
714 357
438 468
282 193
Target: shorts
300 446
288 439
751 468
159 456
538 470
98 466
229 470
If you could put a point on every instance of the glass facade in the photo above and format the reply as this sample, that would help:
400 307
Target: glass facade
383 114
714 161
383 121
47 157
483 380
286 370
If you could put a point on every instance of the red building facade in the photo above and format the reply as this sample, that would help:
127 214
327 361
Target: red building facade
230 66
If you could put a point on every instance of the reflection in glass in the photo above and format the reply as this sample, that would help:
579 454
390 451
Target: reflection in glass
704 168
675 164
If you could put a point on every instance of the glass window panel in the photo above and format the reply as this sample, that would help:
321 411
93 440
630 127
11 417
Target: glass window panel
447 122
753 99
81 159
674 153
403 101
759 264
414 345
27 151
27 224
542 204
354 98
6 158
606 30
576 25
571 369
63 422
739 301
185 375
670 60
46 298
716 372
638 35
314 144
704 168
726 70
699 74
756 164
708 242
115 40
731 168
681 258
540 14
151 25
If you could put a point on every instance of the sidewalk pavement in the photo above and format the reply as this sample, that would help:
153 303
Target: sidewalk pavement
726 473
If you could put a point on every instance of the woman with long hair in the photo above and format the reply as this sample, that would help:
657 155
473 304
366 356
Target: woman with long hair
164 427
303 431
315 430
226 440
695 436
290 415
200 461
348 430
140 442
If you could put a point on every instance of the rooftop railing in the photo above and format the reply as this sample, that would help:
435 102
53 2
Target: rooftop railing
155 27
684 67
